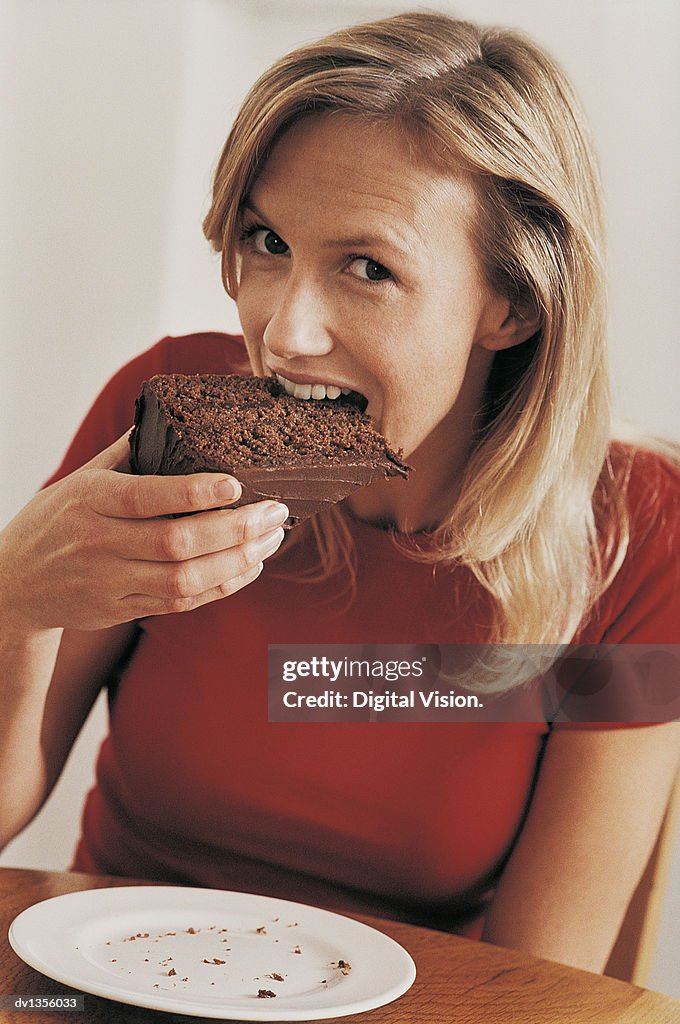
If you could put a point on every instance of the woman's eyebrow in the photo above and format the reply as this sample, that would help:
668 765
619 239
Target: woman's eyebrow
363 241
369 241
248 204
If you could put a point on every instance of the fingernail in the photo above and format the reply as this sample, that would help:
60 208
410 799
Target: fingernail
268 544
227 489
273 514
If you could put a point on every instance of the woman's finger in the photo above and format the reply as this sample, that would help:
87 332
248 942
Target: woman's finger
115 457
194 576
137 606
125 496
176 540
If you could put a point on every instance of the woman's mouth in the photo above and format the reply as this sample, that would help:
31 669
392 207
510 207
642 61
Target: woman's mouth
317 390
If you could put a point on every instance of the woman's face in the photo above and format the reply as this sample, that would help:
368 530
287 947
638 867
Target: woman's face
357 271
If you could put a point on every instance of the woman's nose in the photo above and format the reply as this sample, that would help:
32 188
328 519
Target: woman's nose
298 324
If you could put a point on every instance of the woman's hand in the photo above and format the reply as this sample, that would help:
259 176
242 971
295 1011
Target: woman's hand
92 550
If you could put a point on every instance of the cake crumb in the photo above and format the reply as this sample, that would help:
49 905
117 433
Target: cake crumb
265 993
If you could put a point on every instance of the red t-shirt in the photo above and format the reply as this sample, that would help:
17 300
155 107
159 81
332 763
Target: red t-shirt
194 785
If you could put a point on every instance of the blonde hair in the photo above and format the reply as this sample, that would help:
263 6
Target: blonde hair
537 489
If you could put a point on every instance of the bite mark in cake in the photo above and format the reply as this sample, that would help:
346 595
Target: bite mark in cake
308 454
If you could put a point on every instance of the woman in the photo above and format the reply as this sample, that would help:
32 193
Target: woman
408 209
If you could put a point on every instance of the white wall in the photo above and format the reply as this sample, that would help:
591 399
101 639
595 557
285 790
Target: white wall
116 116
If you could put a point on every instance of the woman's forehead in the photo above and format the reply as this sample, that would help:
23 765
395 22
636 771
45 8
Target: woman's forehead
344 165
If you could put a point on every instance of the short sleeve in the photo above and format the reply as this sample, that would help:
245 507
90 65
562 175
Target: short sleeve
642 605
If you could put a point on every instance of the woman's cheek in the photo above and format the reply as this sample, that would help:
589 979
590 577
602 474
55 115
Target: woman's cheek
250 302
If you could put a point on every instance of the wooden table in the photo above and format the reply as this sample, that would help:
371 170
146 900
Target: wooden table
459 981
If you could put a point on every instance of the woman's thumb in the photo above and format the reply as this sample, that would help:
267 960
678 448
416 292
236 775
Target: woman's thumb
116 456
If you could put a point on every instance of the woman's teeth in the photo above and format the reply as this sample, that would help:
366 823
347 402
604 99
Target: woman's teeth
316 391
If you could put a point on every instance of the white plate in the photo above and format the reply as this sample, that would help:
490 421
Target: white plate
122 943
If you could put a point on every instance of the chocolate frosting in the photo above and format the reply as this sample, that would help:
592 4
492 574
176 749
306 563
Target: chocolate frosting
306 488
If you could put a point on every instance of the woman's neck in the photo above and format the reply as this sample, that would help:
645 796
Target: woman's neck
423 501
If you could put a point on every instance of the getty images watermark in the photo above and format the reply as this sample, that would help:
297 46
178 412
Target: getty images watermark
474 683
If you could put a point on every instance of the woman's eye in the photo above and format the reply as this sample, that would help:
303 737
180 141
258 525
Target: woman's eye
369 270
266 241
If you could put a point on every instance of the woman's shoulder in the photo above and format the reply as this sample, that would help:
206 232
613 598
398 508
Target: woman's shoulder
207 352
113 410
641 603
647 477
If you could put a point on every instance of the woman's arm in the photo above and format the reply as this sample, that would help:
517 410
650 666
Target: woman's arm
593 821
52 679
88 555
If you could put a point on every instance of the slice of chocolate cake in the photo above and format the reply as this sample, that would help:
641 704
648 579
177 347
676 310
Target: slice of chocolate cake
308 454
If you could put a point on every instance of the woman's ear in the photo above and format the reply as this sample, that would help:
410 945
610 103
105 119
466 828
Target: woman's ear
507 326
